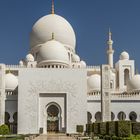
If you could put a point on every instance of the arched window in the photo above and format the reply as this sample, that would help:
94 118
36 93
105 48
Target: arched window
98 116
7 117
121 116
89 117
14 126
111 84
15 117
133 116
126 76
112 116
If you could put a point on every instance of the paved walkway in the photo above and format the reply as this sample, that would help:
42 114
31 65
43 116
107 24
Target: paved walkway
54 137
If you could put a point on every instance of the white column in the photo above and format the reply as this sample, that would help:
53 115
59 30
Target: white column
105 93
2 94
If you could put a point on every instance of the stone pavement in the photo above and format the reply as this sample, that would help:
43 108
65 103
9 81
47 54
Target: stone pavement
54 137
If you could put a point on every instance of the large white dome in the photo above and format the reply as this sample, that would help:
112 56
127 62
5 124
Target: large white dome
45 26
134 83
11 81
53 51
94 82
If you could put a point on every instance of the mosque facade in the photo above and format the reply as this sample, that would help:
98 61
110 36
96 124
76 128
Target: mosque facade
52 89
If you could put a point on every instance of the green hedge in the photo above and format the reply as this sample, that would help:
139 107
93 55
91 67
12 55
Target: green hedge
123 128
114 128
111 126
103 128
96 128
88 128
136 128
4 129
107 137
80 128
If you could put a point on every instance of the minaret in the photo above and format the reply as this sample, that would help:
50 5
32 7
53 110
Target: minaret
110 50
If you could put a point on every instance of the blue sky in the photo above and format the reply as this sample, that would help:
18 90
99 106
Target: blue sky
89 18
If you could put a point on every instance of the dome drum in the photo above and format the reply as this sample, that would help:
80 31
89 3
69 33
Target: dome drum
52 64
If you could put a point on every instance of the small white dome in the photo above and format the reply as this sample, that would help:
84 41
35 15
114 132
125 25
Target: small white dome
83 64
29 58
11 81
52 23
124 56
94 82
134 83
53 51
21 63
75 58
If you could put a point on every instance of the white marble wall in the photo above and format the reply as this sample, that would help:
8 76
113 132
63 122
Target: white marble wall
34 81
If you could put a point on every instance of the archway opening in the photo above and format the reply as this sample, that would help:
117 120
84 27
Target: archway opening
112 116
53 116
98 116
133 116
126 76
121 116
89 117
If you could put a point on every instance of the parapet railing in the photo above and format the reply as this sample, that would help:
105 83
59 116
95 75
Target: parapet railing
15 66
116 95
93 67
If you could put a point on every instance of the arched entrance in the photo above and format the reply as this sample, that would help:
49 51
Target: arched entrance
53 118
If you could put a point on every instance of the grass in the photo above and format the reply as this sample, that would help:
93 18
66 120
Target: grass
13 137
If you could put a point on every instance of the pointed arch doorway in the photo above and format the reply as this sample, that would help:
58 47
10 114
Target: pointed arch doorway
53 117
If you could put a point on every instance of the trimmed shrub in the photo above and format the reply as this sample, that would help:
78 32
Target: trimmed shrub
100 136
107 137
103 130
80 128
96 128
88 128
124 128
4 129
111 127
136 128
114 137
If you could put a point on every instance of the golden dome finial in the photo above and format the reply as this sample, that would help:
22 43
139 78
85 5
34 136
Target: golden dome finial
52 6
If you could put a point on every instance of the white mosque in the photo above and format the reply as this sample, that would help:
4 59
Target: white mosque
52 89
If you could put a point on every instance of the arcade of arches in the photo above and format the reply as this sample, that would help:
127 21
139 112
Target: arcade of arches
120 116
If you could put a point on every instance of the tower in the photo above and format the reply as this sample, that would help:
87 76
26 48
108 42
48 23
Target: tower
110 50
